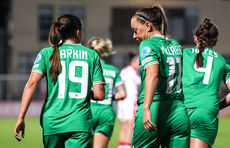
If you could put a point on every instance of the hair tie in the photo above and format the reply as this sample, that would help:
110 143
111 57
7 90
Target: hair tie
214 39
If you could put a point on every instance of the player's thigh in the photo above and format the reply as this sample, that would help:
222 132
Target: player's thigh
141 137
105 122
79 139
126 110
179 126
54 141
100 140
204 124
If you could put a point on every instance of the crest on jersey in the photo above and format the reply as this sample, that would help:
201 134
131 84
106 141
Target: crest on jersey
145 51
38 58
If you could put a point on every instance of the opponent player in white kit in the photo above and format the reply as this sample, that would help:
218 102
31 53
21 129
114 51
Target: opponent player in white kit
127 107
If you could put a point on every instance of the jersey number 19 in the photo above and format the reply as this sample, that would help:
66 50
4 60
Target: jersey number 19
83 80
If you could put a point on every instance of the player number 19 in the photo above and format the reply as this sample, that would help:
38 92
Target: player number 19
83 80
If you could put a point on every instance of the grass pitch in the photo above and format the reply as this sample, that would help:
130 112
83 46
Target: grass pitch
33 134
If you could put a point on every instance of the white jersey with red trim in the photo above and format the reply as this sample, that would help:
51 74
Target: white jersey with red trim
127 107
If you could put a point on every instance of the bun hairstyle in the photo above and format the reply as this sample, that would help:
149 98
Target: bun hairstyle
64 28
101 46
155 15
206 34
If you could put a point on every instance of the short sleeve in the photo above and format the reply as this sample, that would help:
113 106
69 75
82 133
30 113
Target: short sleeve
98 77
148 55
39 64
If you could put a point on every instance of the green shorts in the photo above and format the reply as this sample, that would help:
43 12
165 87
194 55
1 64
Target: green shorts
103 119
204 124
173 128
68 140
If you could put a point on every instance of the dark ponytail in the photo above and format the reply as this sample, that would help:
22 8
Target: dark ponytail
55 39
64 28
206 34
155 15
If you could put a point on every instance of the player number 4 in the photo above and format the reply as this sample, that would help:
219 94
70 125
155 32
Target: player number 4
206 70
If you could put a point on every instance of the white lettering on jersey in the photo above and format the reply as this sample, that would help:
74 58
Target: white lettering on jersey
172 50
71 53
206 51
109 73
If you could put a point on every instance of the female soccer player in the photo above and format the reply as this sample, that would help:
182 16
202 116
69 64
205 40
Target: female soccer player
71 70
203 71
161 118
126 108
103 114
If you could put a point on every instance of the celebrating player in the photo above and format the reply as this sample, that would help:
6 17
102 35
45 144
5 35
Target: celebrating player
103 114
203 71
161 118
126 108
71 70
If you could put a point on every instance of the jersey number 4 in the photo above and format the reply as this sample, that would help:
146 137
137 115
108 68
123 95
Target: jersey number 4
83 80
206 70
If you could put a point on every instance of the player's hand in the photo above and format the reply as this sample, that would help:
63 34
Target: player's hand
147 122
20 126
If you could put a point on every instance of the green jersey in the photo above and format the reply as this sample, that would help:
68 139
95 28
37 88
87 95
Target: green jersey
67 104
201 85
112 79
168 54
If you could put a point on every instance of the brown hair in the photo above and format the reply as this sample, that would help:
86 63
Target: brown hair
207 34
64 28
155 15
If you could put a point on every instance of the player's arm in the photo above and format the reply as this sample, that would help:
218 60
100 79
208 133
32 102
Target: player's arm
98 92
121 93
28 92
151 83
225 102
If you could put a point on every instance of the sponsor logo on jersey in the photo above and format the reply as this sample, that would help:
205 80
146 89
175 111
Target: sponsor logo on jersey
38 58
145 51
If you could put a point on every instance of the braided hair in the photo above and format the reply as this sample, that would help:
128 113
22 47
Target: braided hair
206 34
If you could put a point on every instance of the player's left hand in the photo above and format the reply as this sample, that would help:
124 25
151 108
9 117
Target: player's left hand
147 122
20 126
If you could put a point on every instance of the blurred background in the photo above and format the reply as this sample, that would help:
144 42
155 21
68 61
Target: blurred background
25 24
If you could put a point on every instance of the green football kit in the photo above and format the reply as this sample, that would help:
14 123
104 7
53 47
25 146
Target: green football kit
102 111
168 112
66 107
201 88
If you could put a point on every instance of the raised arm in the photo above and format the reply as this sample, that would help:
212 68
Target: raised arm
27 96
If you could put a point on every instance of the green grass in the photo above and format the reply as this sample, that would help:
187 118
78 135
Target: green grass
33 134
